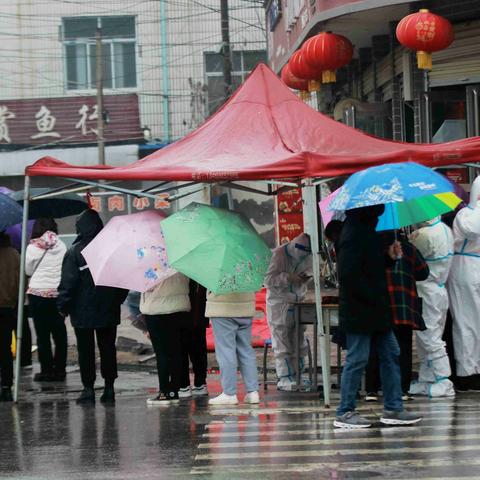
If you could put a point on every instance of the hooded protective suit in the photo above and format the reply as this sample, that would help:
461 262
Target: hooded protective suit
435 242
464 286
285 286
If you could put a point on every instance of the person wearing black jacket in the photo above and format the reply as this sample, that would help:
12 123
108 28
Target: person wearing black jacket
195 345
365 315
93 311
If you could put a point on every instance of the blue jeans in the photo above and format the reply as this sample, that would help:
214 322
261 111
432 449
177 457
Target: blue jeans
358 350
233 343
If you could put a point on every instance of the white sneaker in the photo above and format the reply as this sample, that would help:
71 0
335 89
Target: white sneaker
224 399
185 392
285 384
200 391
252 397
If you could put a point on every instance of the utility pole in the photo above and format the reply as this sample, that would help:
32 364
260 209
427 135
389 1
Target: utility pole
227 61
99 84
227 67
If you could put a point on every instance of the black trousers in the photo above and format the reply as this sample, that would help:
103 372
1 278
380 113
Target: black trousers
7 325
195 346
106 338
49 324
372 374
168 334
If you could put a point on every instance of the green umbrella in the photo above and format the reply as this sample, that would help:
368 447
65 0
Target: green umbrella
217 248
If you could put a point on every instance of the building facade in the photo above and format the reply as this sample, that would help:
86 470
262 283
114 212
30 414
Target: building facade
162 74
382 91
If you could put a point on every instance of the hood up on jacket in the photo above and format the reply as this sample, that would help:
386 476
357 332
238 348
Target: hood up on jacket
47 241
475 193
88 226
300 246
367 215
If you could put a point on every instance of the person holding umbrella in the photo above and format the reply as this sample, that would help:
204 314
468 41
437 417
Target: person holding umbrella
365 317
94 311
9 280
167 314
43 264
221 250
387 197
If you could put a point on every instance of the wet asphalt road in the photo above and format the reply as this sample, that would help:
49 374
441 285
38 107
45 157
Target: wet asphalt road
288 436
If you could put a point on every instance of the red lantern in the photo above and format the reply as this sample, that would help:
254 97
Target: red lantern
426 33
294 82
328 52
301 69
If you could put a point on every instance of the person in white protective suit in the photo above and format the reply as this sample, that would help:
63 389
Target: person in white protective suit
434 240
464 291
287 278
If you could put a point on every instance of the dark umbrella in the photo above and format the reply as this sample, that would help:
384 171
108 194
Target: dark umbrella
15 231
60 206
10 212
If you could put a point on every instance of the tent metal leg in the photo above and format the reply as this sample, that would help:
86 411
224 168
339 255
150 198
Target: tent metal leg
311 227
21 289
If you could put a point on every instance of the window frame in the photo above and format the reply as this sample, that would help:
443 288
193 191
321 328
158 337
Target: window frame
242 73
89 43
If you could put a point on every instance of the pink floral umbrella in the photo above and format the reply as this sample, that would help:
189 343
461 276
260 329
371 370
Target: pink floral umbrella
326 214
129 253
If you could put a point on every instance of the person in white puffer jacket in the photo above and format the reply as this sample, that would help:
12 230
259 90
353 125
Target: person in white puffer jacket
43 264
167 314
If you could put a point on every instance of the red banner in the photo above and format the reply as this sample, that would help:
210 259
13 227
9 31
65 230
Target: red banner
290 215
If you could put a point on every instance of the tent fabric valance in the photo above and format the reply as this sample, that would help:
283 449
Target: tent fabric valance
266 132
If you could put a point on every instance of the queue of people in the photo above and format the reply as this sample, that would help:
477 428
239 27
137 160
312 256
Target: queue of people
388 289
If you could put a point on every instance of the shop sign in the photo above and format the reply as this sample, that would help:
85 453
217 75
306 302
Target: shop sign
68 120
117 203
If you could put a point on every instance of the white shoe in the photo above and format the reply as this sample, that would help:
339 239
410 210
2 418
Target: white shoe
185 392
224 399
285 384
200 391
252 397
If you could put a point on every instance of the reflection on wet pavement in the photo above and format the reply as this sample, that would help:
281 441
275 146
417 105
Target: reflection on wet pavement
288 436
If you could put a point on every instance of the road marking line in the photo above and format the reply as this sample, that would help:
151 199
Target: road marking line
326 427
334 466
327 453
339 441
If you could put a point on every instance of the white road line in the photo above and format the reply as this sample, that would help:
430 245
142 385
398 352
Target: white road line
339 441
326 427
260 410
334 466
327 453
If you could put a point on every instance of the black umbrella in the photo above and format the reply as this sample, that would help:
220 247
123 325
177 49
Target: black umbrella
59 206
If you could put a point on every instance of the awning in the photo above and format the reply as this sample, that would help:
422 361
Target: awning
266 132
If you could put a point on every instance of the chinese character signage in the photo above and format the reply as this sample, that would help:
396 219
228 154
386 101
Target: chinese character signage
289 215
67 120
117 203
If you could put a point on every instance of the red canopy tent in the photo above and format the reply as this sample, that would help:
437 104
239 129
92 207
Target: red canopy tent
266 132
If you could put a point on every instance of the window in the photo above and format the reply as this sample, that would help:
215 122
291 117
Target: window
118 52
243 62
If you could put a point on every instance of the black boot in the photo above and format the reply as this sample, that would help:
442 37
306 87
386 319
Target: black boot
6 395
108 396
87 397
